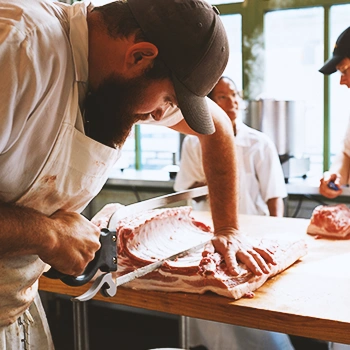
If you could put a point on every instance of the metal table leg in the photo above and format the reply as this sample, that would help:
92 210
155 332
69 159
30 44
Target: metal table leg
80 321
184 332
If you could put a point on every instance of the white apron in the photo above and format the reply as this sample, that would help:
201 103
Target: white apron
76 170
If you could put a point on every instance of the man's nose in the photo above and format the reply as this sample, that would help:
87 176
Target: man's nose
157 114
343 80
232 102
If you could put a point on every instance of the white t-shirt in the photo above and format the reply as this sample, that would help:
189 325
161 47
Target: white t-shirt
346 147
260 173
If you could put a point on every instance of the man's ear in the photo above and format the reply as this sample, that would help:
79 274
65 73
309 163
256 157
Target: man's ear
140 56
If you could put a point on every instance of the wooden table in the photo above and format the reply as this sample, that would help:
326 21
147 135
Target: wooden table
310 299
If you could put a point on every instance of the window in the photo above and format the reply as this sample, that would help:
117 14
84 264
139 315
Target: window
160 146
294 54
233 26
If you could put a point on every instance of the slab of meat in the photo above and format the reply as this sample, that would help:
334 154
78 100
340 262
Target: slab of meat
331 221
163 232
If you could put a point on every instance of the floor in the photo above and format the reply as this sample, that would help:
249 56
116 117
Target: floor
122 328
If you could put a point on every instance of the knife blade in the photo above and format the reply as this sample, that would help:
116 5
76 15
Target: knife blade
142 271
109 288
139 207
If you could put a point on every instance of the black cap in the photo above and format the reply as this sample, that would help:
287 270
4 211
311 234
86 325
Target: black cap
341 51
192 42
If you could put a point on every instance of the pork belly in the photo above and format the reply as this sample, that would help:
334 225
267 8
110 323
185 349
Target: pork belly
330 221
163 232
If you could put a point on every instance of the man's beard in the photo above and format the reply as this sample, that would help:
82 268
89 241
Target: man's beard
109 115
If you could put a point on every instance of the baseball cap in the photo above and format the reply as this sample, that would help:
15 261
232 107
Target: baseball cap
192 42
341 51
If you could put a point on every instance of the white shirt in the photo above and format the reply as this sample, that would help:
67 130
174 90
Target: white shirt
260 173
346 148
35 86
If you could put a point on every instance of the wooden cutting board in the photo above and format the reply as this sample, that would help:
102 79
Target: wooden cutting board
309 299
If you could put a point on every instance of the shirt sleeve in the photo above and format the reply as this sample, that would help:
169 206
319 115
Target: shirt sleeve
347 140
18 82
9 85
269 172
191 168
33 73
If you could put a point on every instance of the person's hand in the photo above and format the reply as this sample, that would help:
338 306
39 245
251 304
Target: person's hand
324 188
72 243
235 246
101 219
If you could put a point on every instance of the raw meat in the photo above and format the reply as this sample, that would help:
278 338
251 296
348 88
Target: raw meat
162 232
331 221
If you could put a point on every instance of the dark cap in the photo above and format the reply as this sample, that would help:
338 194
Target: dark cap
192 42
341 51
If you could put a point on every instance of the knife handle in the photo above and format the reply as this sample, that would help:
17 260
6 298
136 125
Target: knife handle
333 186
105 260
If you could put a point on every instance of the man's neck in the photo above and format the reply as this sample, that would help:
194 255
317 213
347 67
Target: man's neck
106 54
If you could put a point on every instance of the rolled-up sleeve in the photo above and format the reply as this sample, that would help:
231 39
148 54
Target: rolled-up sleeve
347 140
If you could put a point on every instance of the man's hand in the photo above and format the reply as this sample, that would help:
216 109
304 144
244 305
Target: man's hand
324 188
101 219
73 241
235 246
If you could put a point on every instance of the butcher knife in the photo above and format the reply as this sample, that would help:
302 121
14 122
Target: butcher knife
105 283
139 207
106 257
108 287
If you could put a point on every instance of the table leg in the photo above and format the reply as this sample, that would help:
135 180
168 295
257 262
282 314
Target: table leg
80 321
184 332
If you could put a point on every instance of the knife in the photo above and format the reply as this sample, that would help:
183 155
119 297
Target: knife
108 288
106 257
139 207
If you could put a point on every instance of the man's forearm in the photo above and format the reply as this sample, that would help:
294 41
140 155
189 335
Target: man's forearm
276 206
219 163
65 240
22 230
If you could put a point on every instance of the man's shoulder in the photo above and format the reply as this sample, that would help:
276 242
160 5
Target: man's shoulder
21 19
257 136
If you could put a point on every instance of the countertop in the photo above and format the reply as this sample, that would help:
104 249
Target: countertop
140 178
309 185
161 179
309 299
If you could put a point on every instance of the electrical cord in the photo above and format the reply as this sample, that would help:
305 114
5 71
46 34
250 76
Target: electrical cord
301 198
298 207
315 199
136 193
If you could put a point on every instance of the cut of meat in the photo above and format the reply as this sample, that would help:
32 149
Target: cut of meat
160 233
331 221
